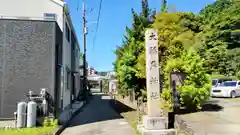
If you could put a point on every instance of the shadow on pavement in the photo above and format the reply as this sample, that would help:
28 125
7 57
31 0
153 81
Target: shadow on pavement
207 107
211 108
212 101
119 107
99 109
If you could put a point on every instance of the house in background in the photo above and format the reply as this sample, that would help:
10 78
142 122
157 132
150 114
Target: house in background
38 49
112 85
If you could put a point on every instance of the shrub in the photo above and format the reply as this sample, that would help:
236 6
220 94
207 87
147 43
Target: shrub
50 122
196 88
29 131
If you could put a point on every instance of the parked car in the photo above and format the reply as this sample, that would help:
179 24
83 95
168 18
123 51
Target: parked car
216 82
227 89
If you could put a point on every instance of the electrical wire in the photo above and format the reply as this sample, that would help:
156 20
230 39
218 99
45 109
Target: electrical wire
78 5
98 19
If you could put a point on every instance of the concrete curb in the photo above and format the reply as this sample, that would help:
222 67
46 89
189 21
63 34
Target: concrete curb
66 124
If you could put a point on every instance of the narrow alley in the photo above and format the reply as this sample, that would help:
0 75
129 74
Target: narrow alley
98 118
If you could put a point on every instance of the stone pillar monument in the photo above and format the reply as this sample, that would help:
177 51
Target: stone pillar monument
154 123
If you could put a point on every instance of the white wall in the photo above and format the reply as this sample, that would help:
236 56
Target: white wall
81 65
77 82
112 85
77 58
31 8
66 64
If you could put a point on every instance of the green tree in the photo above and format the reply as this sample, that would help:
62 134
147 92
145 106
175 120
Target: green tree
164 6
197 44
220 36
105 84
178 46
197 85
130 50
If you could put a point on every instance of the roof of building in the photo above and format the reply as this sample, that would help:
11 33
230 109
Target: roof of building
60 2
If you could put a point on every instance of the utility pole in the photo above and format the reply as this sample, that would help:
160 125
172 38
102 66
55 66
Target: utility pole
84 49
85 31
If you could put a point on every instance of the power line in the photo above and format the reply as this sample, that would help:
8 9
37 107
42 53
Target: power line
78 5
99 13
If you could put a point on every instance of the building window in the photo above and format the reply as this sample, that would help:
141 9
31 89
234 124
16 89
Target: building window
76 53
73 40
68 78
59 54
67 82
67 32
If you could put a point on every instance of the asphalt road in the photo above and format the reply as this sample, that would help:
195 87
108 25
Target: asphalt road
221 117
98 118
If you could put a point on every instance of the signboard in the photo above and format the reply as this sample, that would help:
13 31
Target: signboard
178 77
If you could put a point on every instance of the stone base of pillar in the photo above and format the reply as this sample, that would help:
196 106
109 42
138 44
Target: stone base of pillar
155 126
155 123
159 132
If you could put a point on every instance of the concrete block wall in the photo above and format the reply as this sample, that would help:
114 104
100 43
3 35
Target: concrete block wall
27 61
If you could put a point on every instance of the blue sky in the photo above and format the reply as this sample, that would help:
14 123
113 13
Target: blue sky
115 16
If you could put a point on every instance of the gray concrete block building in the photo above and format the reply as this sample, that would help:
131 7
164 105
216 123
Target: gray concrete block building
38 49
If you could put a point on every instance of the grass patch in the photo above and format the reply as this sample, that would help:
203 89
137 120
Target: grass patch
29 131
182 132
128 113
234 99
218 76
130 117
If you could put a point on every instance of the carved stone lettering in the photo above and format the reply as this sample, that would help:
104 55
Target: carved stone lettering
153 49
153 122
153 64
152 36
153 80
152 71
154 95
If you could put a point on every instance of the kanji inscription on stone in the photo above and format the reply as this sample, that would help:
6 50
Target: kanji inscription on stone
153 122
153 80
153 50
154 95
152 35
152 72
153 64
